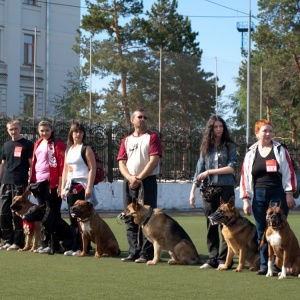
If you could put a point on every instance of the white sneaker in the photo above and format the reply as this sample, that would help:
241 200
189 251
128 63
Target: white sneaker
69 253
206 266
38 249
45 250
5 246
13 247
76 253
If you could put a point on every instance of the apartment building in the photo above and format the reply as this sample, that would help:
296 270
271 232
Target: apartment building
36 40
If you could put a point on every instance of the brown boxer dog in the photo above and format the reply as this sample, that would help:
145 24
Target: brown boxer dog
240 236
282 242
95 229
32 230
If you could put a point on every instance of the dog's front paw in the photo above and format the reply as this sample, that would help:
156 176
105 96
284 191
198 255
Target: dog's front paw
269 273
151 262
23 249
238 270
172 262
222 268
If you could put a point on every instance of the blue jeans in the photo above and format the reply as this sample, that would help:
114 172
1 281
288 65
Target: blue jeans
261 202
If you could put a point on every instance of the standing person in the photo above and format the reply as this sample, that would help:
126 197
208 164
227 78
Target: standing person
14 168
267 175
78 178
139 158
46 173
215 167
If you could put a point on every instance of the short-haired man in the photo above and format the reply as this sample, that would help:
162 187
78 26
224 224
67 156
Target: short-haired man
139 158
14 171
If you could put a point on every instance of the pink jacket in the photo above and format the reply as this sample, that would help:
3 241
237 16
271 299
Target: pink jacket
56 154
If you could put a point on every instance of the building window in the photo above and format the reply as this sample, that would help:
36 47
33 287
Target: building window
28 106
29 2
28 49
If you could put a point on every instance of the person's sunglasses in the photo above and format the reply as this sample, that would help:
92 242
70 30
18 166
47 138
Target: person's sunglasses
143 117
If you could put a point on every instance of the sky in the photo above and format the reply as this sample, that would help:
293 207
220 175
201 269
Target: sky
216 22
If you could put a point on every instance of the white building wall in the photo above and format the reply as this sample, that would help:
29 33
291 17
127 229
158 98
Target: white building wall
56 23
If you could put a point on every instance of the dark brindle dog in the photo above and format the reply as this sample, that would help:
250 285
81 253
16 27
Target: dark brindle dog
95 229
54 225
282 242
32 230
164 233
240 236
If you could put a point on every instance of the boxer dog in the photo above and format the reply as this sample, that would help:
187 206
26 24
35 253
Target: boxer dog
164 233
239 234
32 230
95 229
59 229
282 242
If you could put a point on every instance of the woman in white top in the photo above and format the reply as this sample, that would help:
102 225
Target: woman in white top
78 177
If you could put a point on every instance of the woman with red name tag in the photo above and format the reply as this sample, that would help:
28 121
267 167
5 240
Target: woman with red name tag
46 174
267 176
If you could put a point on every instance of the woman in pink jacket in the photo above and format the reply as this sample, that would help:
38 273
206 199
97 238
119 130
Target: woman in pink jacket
46 172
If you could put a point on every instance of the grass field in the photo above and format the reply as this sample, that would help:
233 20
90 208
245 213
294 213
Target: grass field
40 276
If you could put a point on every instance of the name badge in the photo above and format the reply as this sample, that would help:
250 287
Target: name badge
271 165
18 151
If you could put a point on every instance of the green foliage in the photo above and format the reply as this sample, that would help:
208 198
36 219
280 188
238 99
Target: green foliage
129 57
75 102
276 57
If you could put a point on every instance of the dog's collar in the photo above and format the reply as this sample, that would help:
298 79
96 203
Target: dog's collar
46 215
148 216
233 223
87 219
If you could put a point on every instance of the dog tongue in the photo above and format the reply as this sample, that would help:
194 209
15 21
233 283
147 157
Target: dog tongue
73 215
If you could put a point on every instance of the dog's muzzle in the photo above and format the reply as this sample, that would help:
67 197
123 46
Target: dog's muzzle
274 220
123 218
217 218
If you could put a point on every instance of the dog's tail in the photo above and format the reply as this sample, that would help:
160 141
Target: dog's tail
262 241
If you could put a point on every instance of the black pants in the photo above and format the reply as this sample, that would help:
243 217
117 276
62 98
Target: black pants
11 224
76 235
213 240
49 197
139 246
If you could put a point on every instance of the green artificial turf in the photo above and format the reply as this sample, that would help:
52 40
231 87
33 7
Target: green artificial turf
27 275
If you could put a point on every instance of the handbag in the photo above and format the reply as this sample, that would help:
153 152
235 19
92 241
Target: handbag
207 192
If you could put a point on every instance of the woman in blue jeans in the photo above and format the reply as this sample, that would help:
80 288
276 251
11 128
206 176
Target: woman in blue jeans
215 167
267 177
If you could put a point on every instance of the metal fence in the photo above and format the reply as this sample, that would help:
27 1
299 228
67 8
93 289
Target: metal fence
180 147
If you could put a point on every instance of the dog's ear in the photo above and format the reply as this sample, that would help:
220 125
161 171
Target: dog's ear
134 202
221 201
231 203
90 205
26 193
270 204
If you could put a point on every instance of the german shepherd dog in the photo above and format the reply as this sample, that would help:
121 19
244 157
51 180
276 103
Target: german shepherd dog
282 242
164 233
32 230
240 236
59 230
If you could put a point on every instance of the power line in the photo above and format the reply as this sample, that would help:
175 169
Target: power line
84 7
229 8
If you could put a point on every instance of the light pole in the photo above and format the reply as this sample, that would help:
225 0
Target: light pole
248 76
